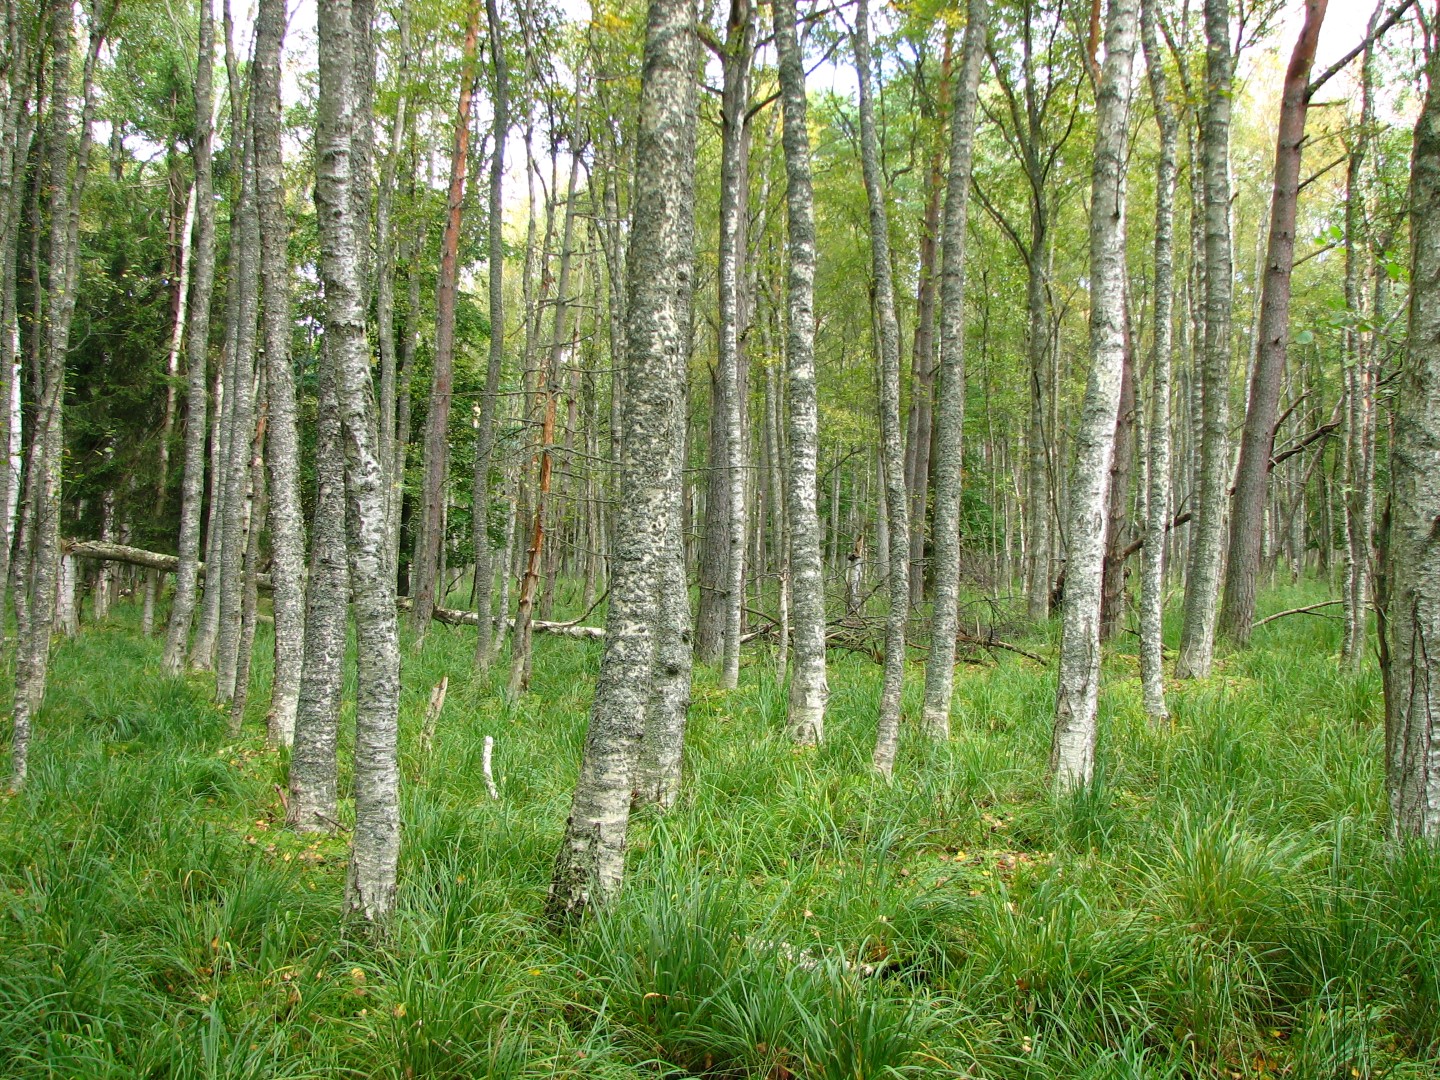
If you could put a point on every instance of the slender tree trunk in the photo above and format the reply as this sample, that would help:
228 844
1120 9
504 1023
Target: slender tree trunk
192 492
1037 476
287 537
734 214
385 247
1202 579
887 737
485 436
1157 460
1072 751
370 887
250 593
172 371
428 536
233 524
1410 589
1252 476
808 686
1117 515
1360 371
591 861
950 396
40 565
521 652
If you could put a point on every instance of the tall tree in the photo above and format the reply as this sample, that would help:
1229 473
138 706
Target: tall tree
485 436
950 394
1257 442
370 887
64 173
734 211
1157 454
892 451
436 456
182 606
1202 577
1072 751
282 446
1410 604
808 687
591 861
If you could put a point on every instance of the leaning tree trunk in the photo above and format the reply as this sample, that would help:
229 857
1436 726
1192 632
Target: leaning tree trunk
192 490
1252 475
1202 578
591 861
428 523
1410 652
282 449
485 437
808 688
950 394
1157 458
1072 751
370 887
887 735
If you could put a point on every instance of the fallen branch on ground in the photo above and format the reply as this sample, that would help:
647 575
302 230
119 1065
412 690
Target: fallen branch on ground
1312 609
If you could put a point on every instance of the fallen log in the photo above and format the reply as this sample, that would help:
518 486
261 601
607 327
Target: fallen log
102 551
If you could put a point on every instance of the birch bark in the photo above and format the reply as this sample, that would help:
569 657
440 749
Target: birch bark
1072 751
950 391
1410 652
1157 459
1202 578
887 734
591 860
370 887
287 538
808 687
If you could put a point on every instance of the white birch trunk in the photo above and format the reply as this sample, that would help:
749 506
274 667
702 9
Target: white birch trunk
1072 752
1411 589
892 449
950 390
370 886
808 688
590 864
1157 499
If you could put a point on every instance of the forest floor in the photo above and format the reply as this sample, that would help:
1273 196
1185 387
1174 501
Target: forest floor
1221 903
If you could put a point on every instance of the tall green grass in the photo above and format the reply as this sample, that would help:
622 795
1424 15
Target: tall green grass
1221 901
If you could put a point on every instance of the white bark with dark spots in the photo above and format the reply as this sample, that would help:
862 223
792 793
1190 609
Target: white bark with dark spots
949 418
591 862
1072 751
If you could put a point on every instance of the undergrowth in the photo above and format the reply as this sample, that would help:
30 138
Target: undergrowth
1221 902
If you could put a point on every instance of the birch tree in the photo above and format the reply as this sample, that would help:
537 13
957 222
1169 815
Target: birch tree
370 886
808 687
1410 654
949 421
1157 456
591 861
1202 576
282 448
892 450
1072 752
197 348
1257 442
